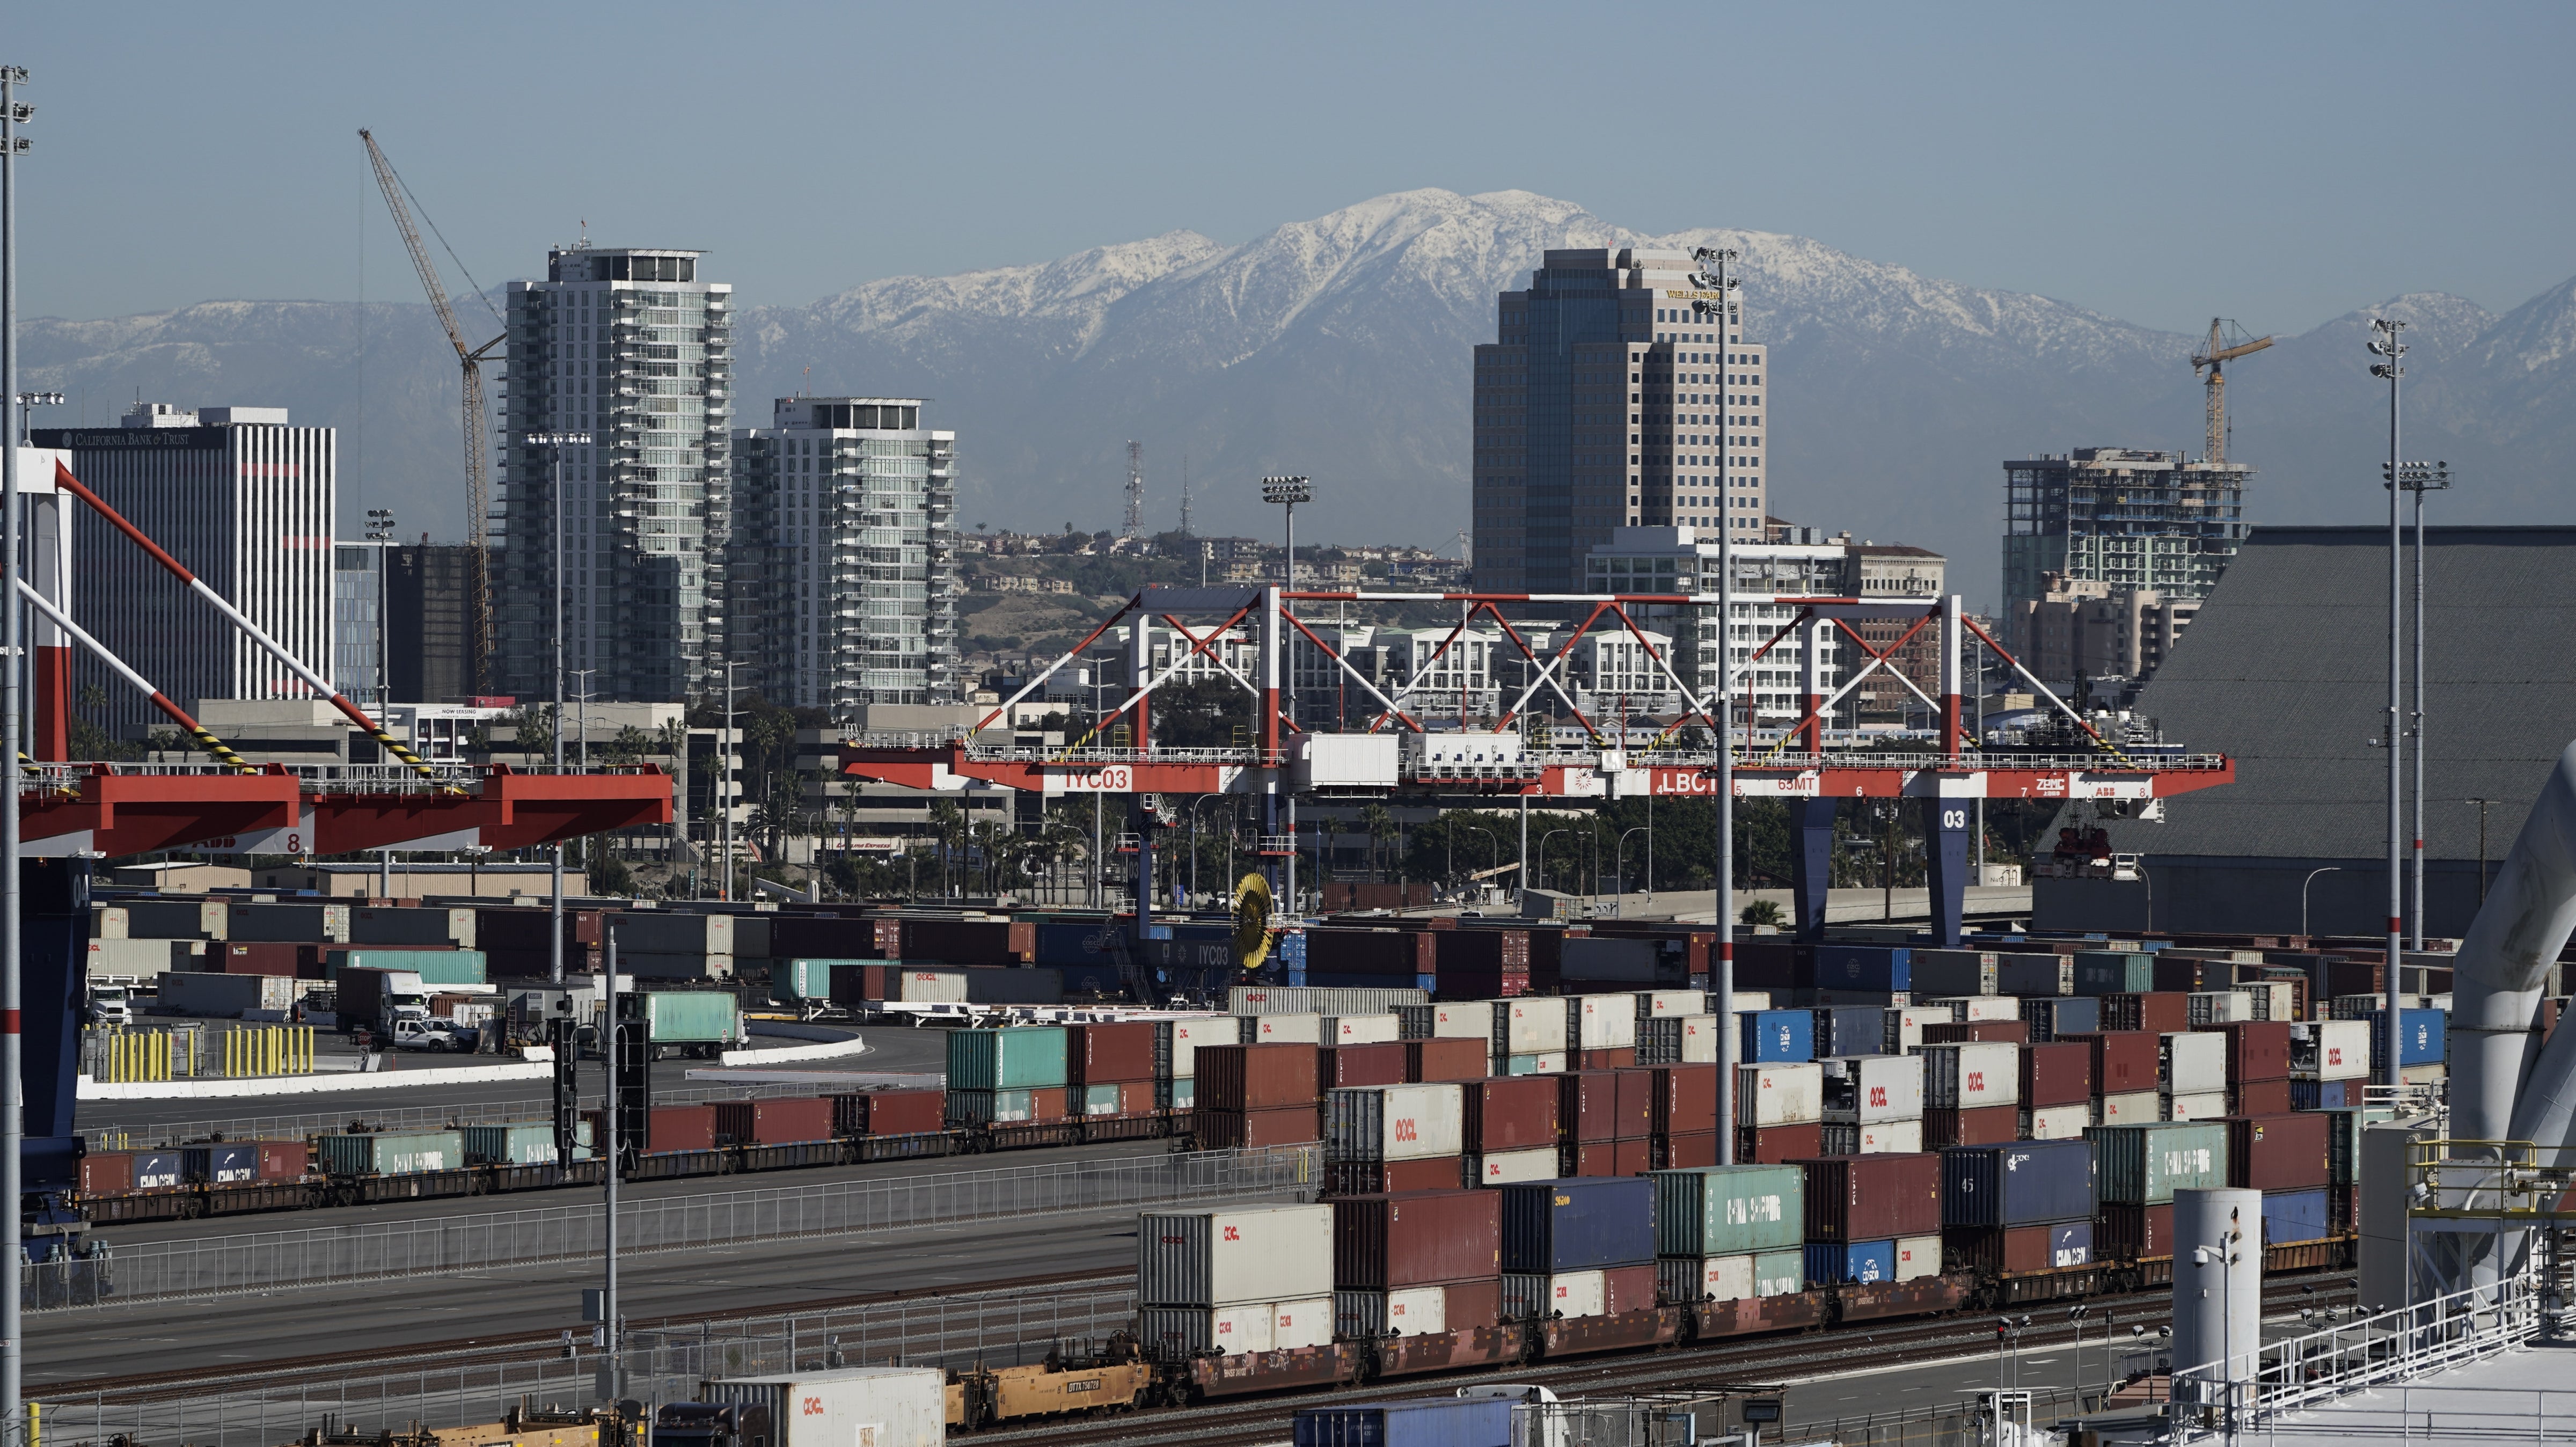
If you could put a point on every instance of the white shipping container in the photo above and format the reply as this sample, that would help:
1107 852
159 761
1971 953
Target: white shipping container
1745 1001
1971 1075
1366 1029
1233 1330
1654 1004
1234 1255
2343 1049
1394 1122
1531 1026
225 997
1189 1035
144 958
1307 1322
942 987
1884 1087
1982 1007
1283 1030
2035 974
1578 1293
1504 1168
2207 1105
1917 1256
1911 1019
1415 1311
2137 1107
851 1407
1725 1278
2273 1000
1892 1137
2192 1063
1701 1038
1601 1022
1769 1095
1466 1020
2221 1007
2058 1122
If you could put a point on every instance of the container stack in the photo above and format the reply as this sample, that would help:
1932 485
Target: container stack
1684 1116
2329 1064
1578 1248
1391 1138
1872 1218
2141 1166
1779 1111
1601 1030
2027 1206
1509 1129
1605 1122
1110 1068
1010 1075
1971 1093
2289 1158
1873 1105
2258 1066
1254 1096
1529 1036
2056 1090
1417 1262
1234 1280
1176 1055
2191 1075
1728 1233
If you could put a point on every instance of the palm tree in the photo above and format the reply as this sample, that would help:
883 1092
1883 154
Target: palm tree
948 826
1378 824
1764 911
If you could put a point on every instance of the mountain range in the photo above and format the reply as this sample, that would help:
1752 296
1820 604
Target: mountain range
1341 348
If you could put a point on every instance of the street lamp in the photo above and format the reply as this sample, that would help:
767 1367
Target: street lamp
1542 849
1288 490
380 531
2418 478
27 402
558 441
2387 341
1716 301
13 1420
2303 893
1619 865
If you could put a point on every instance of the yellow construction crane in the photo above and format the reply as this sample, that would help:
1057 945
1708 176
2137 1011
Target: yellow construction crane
478 484
2227 342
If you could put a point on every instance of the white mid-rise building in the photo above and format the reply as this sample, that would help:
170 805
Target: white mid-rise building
1683 560
242 499
842 587
633 349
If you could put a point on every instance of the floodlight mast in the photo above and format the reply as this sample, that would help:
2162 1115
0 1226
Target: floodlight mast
1287 490
1718 301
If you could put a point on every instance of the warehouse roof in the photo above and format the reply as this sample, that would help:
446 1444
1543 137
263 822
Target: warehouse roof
2286 670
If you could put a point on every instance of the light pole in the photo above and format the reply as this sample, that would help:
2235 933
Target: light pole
558 441
2420 478
1493 842
724 788
28 402
1287 491
380 531
2387 341
13 1124
1722 307
2075 1317
1542 850
2303 893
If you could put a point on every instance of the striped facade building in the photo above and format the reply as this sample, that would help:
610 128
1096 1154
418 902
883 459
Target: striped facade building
243 500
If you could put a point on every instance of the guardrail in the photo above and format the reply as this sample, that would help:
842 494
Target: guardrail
273 1261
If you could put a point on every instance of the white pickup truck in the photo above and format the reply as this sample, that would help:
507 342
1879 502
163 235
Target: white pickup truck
420 1033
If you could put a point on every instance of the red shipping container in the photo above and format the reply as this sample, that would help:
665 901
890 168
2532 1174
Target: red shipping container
1505 1113
104 1173
2190 975
1465 953
1378 1064
2280 1152
1256 1077
2124 1061
1629 1288
792 1120
1971 1032
1685 1152
1636 1102
2257 1050
1685 1099
2259 1097
1622 1057
1109 1054
1373 1178
285 1160
260 957
1587 1106
889 1112
2008 1249
679 1128
1985 1126
1635 1157
1428 1061
2160 1013
1473 1304
1592 1158
1222 1130
2133 1233
2057 1074
1136 1097
1780 1144
1417 1238
1866 1198
1048 1104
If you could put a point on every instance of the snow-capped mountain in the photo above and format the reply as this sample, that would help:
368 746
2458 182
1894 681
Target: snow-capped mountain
1341 348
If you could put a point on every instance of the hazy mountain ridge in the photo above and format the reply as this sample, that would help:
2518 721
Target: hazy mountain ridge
1342 347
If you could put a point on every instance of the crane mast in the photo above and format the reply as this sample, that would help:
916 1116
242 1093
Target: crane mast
478 482
2215 355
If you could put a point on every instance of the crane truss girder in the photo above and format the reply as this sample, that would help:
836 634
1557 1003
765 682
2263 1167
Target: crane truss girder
97 809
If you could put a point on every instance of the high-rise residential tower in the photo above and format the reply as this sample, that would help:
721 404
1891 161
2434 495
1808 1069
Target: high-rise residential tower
843 564
244 501
2103 521
1598 406
631 347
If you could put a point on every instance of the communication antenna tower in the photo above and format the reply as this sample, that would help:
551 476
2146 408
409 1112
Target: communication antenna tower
1135 491
1185 495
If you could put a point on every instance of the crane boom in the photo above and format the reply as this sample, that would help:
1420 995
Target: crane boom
478 484
2213 356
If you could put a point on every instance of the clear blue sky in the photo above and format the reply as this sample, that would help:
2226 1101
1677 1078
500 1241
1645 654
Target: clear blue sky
2162 163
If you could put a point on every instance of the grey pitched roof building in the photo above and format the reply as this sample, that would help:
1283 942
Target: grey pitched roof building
2286 670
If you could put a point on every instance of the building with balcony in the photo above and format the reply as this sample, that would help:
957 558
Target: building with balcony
633 349
2125 518
841 568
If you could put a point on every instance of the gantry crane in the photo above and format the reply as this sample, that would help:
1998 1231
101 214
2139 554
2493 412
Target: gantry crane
478 483
2227 342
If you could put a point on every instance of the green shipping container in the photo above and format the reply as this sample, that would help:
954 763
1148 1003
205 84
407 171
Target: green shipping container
1780 1273
803 979
1022 1057
693 1017
2143 1165
521 1143
390 1153
2343 1146
1729 1210
2114 972
435 967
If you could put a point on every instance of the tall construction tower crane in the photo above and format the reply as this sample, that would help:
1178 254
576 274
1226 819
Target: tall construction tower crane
2227 342
478 480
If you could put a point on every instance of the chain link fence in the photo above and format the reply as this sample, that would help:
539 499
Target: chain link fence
390 1117
270 1261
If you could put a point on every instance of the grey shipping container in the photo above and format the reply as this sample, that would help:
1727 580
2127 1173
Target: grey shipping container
2026 975
1954 972
2114 972
2143 1165
1729 1210
1319 1000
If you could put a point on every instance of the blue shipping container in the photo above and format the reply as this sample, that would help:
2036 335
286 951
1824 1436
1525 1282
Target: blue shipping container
1851 1030
162 1170
2070 1243
1864 967
1778 1037
1578 1224
2426 1042
2057 1015
1072 942
2293 1216
2022 1184
2324 1094
1424 1422
1831 1263
223 1165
